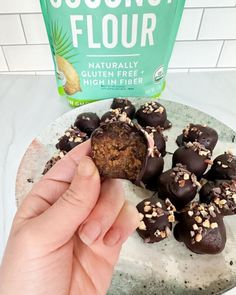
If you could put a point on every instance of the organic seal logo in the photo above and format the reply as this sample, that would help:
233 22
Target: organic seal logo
158 74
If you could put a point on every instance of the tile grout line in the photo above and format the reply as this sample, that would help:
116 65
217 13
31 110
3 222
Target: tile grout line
222 47
23 28
5 58
200 25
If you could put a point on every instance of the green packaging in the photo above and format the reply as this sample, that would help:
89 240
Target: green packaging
111 48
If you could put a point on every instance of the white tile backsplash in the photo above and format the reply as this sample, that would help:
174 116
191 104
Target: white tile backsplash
29 57
34 27
210 3
195 54
3 64
206 25
228 55
186 31
218 23
11 31
19 6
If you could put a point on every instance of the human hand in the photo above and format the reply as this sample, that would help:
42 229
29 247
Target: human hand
68 232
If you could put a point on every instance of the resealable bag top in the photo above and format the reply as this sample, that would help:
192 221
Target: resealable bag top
111 48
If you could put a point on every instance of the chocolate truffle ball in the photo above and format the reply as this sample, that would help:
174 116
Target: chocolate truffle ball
87 122
222 194
159 139
152 114
203 134
113 116
73 137
224 167
124 105
156 218
119 150
152 170
179 185
57 157
201 228
194 156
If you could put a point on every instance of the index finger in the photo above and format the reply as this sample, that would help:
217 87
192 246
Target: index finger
54 183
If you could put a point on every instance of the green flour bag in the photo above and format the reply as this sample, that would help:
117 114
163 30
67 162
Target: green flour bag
111 48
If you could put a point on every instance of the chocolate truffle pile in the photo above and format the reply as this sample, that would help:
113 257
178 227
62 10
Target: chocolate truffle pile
130 144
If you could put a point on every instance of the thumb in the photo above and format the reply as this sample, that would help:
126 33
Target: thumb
62 219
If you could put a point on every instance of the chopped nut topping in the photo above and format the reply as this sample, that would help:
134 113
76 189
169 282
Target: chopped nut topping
206 223
147 208
171 218
141 216
192 233
214 225
168 231
154 214
224 166
159 204
198 219
195 227
142 226
219 163
198 238
186 176
147 203
181 183
163 234
148 215
190 213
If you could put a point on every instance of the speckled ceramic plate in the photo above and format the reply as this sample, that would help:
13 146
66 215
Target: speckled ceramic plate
167 267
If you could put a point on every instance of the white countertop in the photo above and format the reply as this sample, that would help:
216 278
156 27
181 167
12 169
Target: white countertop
29 103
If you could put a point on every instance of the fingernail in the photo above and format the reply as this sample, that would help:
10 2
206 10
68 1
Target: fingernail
86 167
90 232
112 237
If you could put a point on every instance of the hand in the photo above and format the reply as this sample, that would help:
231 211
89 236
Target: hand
68 232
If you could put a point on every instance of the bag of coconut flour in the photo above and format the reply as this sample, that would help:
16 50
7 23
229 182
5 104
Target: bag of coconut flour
111 48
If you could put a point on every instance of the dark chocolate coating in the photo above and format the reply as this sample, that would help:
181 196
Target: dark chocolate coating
109 117
124 105
73 137
224 167
152 114
159 139
156 218
191 159
222 194
201 229
171 184
53 161
205 135
153 169
119 150
87 122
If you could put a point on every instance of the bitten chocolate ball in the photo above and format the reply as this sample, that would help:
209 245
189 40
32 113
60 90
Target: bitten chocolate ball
73 137
222 194
87 122
159 139
119 150
201 228
124 105
156 218
153 114
224 167
203 134
194 156
179 185
57 157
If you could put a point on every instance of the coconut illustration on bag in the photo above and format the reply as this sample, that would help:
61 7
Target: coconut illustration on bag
64 54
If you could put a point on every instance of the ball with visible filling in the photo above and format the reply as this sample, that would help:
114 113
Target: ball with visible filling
87 122
119 150
156 219
179 185
153 114
222 194
201 229
124 105
224 167
194 156
72 137
203 134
